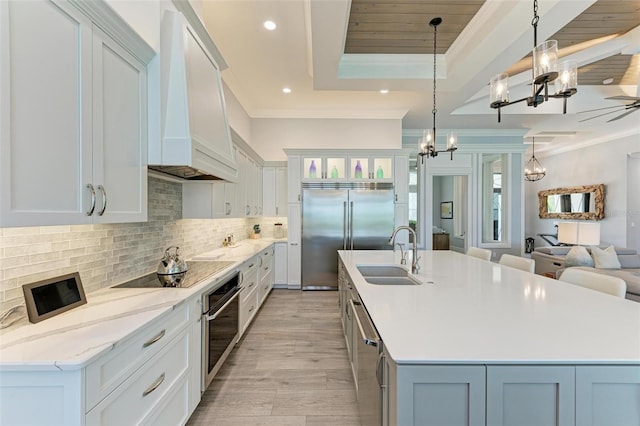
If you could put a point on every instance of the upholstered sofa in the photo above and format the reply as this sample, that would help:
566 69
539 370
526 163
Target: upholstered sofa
550 260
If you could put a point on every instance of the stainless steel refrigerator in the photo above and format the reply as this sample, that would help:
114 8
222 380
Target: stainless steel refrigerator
341 217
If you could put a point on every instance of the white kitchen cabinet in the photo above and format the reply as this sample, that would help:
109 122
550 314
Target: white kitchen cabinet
155 371
249 294
401 178
530 395
265 275
378 168
280 265
294 178
324 167
294 251
204 200
92 120
242 204
607 395
274 191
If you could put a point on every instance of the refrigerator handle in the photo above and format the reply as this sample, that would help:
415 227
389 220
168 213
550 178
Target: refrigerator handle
344 226
351 225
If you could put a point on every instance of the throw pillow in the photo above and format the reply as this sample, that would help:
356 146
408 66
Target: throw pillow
605 259
578 256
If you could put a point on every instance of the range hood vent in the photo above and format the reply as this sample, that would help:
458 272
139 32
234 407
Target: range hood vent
196 141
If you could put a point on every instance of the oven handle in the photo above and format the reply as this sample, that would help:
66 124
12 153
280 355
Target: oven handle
215 315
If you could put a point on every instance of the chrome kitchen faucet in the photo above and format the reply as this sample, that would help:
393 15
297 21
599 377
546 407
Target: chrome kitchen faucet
414 261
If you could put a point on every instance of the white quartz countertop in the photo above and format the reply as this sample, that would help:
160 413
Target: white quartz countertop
467 310
74 338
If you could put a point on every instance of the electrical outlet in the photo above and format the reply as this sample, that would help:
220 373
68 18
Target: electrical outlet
494 255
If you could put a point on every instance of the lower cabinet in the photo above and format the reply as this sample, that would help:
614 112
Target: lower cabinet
531 395
521 395
151 377
607 395
280 265
436 395
149 389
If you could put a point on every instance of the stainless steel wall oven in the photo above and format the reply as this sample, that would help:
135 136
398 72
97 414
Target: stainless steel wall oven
219 326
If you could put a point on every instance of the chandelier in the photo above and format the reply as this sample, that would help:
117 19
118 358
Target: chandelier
533 170
545 71
427 143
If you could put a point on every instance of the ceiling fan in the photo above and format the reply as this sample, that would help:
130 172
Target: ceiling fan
632 107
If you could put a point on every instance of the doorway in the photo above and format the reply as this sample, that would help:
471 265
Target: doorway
450 212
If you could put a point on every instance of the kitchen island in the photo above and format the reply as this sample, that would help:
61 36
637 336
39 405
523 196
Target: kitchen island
479 343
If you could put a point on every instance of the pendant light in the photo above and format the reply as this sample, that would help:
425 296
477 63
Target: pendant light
545 71
533 170
427 144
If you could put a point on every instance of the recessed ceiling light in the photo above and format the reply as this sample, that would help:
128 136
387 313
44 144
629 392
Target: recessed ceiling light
384 91
286 90
607 81
270 25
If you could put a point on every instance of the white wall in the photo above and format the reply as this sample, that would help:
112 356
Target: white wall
270 135
602 163
238 118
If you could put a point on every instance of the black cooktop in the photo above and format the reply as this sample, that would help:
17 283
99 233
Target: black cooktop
196 272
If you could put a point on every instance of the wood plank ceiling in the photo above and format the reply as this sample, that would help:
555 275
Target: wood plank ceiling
402 26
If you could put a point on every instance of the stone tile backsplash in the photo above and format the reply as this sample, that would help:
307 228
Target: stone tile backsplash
105 255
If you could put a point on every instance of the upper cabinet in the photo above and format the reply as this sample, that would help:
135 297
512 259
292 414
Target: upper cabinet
196 140
320 167
347 167
73 114
274 191
371 168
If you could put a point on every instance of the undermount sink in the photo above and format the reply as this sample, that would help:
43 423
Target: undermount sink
391 280
383 271
387 275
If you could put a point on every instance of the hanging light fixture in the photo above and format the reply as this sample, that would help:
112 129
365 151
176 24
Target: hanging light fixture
427 143
533 170
545 71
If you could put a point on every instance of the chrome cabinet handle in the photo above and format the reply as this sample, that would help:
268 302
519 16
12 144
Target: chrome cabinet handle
276 210
298 197
251 310
154 339
241 278
228 208
294 244
380 370
365 338
93 200
154 385
104 199
260 259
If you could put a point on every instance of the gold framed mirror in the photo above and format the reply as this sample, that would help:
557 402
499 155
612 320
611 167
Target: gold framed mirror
577 202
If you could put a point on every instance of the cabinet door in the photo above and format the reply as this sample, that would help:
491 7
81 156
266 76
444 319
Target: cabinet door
241 187
294 272
280 264
401 178
269 191
119 133
607 395
441 395
536 395
281 191
45 114
293 179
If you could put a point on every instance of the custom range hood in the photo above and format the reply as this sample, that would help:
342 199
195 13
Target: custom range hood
196 142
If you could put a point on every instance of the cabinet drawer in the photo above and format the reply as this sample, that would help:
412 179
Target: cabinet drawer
141 393
249 284
266 283
105 374
248 308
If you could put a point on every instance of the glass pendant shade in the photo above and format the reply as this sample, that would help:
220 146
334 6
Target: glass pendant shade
499 89
545 62
567 81
533 170
428 139
452 140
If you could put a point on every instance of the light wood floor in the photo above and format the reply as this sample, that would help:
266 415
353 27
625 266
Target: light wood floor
289 369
